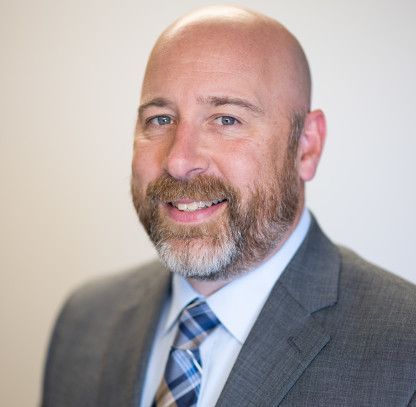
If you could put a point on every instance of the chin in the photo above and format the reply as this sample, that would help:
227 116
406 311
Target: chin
197 258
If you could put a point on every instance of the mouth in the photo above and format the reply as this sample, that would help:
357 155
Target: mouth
193 206
187 210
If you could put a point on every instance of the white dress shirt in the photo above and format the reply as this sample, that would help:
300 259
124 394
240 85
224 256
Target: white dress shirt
237 306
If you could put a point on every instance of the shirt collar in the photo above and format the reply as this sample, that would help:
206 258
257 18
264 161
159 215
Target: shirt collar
182 295
238 304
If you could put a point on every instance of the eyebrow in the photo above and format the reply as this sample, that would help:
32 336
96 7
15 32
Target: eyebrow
156 102
226 100
211 100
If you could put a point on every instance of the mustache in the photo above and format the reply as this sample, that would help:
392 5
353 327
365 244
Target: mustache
199 188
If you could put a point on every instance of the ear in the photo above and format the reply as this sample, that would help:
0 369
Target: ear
311 144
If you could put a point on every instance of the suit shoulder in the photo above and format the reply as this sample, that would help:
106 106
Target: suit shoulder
92 306
376 287
122 286
85 328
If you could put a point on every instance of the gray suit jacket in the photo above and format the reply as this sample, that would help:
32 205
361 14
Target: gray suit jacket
335 331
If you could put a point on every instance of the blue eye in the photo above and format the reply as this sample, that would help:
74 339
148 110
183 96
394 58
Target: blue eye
228 120
161 120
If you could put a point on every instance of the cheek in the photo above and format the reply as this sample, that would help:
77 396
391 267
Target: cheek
242 165
145 167
258 172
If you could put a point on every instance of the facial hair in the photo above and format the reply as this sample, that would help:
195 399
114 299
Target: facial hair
243 235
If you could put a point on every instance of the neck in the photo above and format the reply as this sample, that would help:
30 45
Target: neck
207 287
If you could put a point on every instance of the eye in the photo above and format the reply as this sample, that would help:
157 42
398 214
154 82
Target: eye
162 120
227 120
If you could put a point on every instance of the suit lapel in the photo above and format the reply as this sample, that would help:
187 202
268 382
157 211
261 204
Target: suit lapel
286 337
125 361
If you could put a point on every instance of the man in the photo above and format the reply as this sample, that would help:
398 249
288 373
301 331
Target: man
261 308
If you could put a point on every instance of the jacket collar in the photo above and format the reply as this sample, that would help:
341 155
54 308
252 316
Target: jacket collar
125 362
286 337
311 278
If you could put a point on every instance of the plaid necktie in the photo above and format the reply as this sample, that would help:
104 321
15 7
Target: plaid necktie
181 382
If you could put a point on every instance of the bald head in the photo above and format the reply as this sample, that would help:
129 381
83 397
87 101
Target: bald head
249 40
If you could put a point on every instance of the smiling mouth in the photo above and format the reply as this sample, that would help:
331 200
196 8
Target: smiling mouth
193 206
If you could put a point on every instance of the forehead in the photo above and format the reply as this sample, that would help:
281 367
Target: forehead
213 39
209 62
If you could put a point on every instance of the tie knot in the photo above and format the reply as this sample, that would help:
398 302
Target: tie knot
195 323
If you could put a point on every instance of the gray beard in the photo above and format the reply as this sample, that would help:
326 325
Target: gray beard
199 260
235 241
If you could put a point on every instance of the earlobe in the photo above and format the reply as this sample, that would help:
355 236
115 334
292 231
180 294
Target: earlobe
311 144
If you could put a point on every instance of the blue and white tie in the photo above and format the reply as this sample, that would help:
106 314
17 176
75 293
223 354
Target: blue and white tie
181 382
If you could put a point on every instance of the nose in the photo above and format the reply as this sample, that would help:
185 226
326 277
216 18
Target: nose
186 156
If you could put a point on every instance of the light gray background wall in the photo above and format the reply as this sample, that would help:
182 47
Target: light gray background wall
70 73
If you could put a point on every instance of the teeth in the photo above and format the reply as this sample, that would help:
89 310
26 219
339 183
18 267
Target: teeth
193 206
